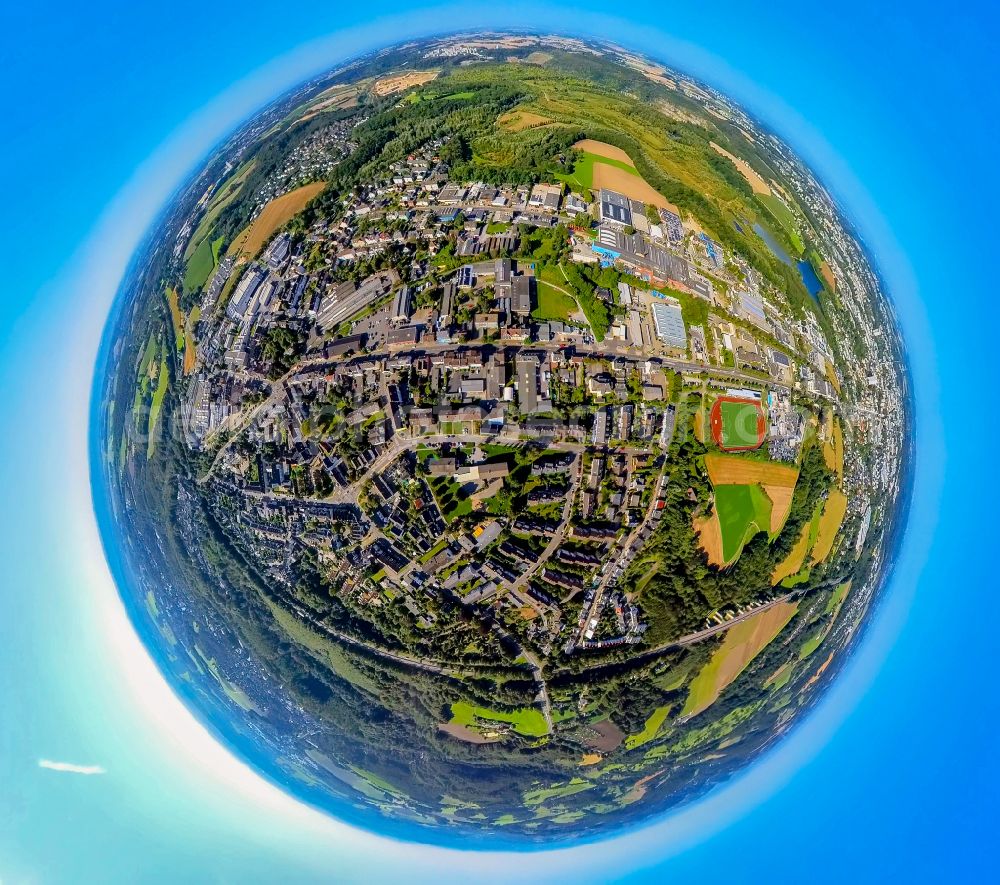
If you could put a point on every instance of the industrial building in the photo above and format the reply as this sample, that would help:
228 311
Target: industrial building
669 323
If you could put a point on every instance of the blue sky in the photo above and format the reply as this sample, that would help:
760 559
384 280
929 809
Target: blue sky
107 105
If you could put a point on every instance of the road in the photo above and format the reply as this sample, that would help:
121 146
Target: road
606 349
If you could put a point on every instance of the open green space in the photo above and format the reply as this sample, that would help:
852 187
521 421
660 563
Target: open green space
743 511
651 729
156 403
525 720
811 644
837 597
783 215
552 304
451 498
582 176
558 791
200 266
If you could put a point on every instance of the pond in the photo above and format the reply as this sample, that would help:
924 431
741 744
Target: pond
805 269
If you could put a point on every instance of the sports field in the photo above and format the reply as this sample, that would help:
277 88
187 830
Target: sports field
738 425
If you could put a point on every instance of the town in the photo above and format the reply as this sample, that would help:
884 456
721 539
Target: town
506 417
434 425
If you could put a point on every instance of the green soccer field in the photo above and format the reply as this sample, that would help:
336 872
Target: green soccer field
739 425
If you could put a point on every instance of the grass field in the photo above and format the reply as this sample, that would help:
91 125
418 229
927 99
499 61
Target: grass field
829 525
737 424
199 267
743 510
156 404
652 727
742 644
552 304
576 785
783 215
837 597
274 215
222 198
792 564
777 480
811 644
583 175
526 720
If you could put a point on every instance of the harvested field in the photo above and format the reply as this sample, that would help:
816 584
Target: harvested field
833 449
733 469
757 184
590 759
829 524
639 788
629 184
781 504
464 733
275 214
710 538
792 563
176 317
831 375
190 347
345 97
699 425
603 149
818 673
518 121
828 276
743 642
399 82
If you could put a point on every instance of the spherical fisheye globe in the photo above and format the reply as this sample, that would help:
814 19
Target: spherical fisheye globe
502 433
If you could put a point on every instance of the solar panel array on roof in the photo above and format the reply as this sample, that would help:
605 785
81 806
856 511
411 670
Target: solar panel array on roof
615 208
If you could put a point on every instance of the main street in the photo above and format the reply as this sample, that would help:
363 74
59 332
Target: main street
316 363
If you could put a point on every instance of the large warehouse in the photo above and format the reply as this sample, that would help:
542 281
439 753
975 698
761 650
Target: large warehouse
669 323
